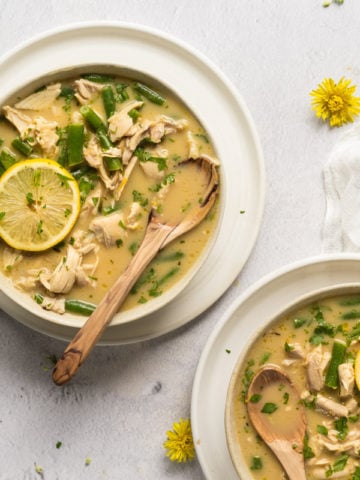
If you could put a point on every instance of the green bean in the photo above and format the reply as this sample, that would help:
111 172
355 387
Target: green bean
353 315
122 94
167 276
7 159
104 140
113 164
22 146
134 114
350 301
148 93
171 257
92 118
79 306
337 357
98 77
108 97
75 143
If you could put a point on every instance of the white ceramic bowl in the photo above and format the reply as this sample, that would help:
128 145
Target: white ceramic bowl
235 385
147 55
235 331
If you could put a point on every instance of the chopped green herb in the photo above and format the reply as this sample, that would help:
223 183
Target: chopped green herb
255 398
288 347
265 358
340 464
119 242
286 398
256 463
341 425
356 474
299 322
38 298
322 429
203 137
140 198
58 444
227 350
39 229
307 450
133 248
269 408
2 215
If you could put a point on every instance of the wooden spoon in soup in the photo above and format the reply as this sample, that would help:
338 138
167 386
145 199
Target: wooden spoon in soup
162 229
275 410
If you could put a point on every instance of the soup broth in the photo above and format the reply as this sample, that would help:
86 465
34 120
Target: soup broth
129 165
316 346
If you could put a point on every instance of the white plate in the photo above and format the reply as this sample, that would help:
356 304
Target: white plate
233 333
221 111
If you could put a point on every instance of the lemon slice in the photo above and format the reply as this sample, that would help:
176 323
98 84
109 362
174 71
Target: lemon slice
39 204
357 369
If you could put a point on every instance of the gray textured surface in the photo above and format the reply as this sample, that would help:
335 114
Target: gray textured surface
118 409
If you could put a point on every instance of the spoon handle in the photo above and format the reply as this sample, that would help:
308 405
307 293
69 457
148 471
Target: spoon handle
86 338
291 459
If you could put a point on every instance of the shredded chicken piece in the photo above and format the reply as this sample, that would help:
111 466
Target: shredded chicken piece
93 201
132 220
22 122
85 90
316 363
55 304
42 99
153 130
39 129
121 122
329 406
108 229
296 351
346 379
94 156
62 279
46 136
192 144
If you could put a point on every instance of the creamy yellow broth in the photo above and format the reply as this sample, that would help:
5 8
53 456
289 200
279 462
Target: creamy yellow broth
332 319
183 193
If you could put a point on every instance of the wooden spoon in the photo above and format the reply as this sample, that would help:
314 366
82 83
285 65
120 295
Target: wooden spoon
159 233
286 443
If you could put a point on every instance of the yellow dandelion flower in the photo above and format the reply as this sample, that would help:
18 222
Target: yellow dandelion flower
335 102
179 444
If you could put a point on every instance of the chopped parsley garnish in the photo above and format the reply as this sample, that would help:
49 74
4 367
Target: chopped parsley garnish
307 450
341 425
255 398
256 463
299 322
286 397
322 429
140 198
269 408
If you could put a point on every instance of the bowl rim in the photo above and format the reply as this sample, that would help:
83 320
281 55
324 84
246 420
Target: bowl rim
231 433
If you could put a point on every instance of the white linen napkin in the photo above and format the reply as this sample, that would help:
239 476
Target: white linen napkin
341 229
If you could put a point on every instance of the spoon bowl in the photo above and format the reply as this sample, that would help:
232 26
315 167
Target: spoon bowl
284 432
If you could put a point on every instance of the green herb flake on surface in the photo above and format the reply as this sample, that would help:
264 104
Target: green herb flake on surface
256 463
269 408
